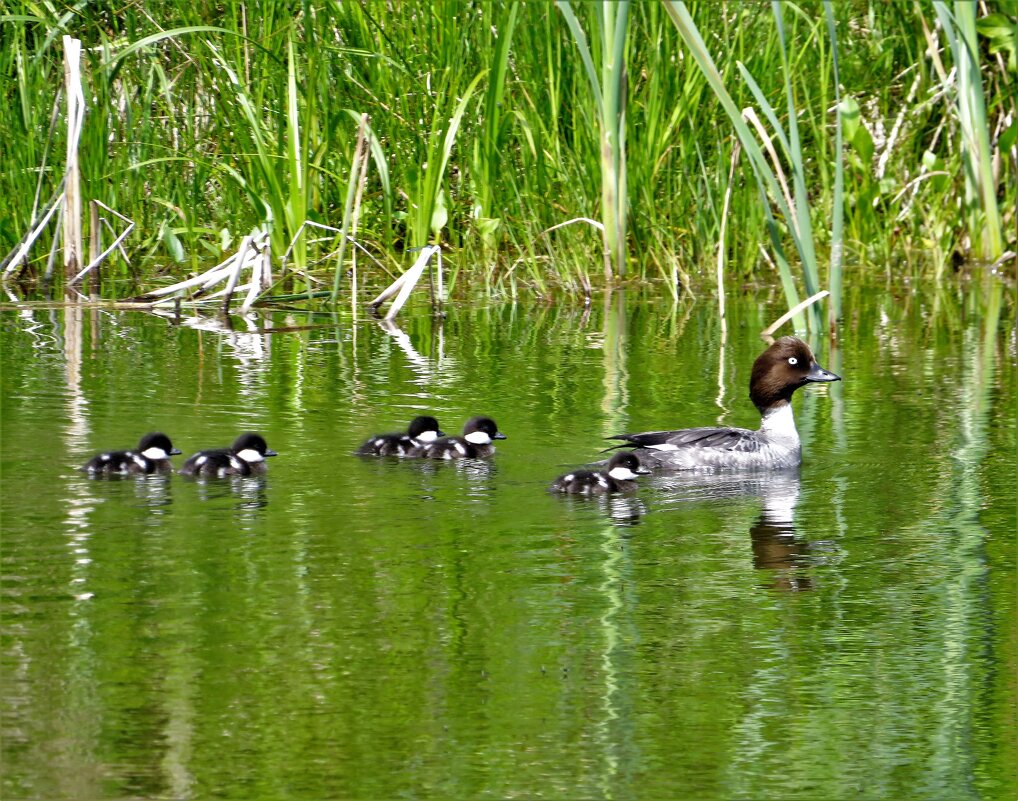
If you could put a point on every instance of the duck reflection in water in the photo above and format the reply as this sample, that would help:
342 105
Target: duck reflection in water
477 477
249 492
153 492
622 509
775 547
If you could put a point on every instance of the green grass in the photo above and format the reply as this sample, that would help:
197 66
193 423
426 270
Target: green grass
490 125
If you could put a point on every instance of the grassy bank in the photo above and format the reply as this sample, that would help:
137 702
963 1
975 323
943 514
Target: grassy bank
487 129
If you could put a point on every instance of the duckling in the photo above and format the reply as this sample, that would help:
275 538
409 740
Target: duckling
618 476
152 456
475 443
422 431
245 457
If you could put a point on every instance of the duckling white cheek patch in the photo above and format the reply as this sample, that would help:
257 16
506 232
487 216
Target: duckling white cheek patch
250 455
155 453
478 438
622 474
427 436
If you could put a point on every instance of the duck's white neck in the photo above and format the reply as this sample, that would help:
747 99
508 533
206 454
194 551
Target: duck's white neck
779 423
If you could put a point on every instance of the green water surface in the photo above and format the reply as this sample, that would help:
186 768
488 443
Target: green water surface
350 628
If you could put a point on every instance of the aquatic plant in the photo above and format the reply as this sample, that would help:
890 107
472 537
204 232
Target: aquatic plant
488 128
980 199
794 203
609 92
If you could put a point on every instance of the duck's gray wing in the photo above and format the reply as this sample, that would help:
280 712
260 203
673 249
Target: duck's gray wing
726 439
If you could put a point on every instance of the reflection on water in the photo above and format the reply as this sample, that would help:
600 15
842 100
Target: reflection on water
248 492
775 545
621 508
154 493
624 509
375 628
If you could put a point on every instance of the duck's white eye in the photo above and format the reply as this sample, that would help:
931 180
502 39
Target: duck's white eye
792 360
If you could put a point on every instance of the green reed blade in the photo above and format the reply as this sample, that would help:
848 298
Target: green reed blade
980 187
837 211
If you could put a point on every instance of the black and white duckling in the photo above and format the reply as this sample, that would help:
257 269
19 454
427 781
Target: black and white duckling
245 457
151 456
422 431
618 476
780 370
478 434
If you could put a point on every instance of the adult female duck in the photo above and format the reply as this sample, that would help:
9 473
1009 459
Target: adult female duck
780 370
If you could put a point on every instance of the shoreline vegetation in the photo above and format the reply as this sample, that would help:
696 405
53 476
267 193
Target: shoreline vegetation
553 148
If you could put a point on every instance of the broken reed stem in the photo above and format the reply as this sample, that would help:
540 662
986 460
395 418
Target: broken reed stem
94 232
75 113
94 243
231 281
361 166
116 242
409 280
788 315
21 252
389 291
768 144
293 242
119 246
441 288
595 223
51 262
405 283
721 241
259 270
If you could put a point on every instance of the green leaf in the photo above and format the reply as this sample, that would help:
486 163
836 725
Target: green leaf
1003 35
850 116
1008 137
581 44
855 132
439 216
172 243
863 144
488 226
171 34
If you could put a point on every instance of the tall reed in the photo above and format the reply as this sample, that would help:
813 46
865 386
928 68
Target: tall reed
769 170
609 92
489 127
487 151
981 211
